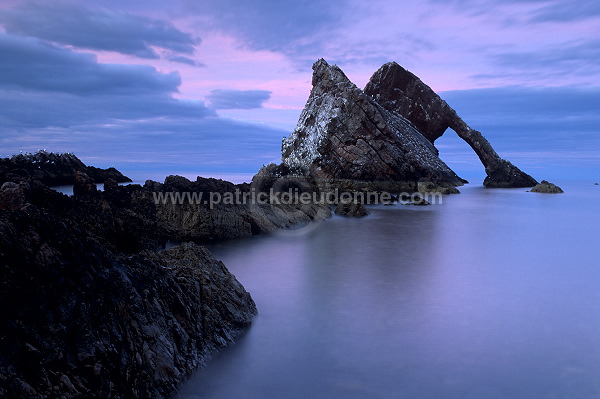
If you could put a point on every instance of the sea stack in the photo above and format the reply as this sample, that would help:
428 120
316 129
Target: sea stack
346 139
400 91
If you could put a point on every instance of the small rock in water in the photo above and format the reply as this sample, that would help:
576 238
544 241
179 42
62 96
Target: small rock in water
420 201
351 209
547 188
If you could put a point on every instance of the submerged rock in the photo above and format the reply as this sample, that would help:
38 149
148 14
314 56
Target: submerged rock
345 139
400 91
547 188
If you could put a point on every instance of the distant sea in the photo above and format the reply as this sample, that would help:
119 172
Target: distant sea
494 293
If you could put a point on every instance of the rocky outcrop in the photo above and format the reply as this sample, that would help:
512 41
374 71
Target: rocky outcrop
53 169
400 91
12 195
547 188
87 315
213 209
351 209
345 139
93 310
420 201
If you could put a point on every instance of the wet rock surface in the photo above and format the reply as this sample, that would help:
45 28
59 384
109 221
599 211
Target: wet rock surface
351 209
547 188
90 311
95 310
222 210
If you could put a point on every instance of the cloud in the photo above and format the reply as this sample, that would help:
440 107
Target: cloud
566 11
587 52
28 63
43 85
552 64
284 26
238 99
547 132
529 10
158 147
30 109
182 60
115 114
532 119
96 29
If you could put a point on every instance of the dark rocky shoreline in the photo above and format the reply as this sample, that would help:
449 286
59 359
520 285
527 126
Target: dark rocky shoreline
95 308
53 169
92 309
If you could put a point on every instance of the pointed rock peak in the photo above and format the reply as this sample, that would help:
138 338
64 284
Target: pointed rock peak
320 64
323 72
393 75
391 67
344 138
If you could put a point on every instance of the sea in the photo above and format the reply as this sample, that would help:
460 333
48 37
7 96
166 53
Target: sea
492 293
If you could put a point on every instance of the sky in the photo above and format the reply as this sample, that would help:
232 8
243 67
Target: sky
211 87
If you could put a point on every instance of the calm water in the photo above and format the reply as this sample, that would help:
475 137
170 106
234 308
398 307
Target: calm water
492 294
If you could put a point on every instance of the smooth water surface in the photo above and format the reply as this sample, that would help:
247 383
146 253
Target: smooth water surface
491 294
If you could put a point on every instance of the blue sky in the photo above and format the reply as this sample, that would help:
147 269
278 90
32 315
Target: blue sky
211 87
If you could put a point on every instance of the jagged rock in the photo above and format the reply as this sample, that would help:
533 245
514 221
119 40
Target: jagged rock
547 188
84 185
351 209
53 169
86 314
345 139
82 319
110 185
503 174
429 187
400 91
420 201
12 196
100 175
222 210
201 184
153 185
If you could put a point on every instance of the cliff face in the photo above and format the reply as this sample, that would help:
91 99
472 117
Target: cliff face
400 91
85 314
344 138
